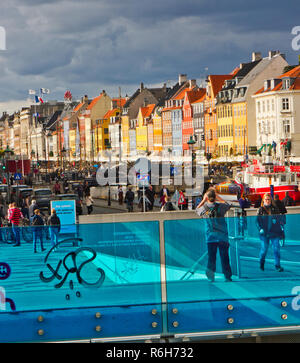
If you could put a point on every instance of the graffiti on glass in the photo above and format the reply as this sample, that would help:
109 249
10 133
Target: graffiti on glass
70 266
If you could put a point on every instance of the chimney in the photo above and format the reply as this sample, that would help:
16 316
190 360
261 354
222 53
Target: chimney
256 56
103 92
182 78
85 99
272 53
192 83
142 86
241 65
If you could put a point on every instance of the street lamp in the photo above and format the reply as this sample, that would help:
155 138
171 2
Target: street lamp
108 147
8 152
63 153
191 144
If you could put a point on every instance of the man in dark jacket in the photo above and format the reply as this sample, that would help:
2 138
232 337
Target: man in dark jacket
287 200
54 223
129 198
151 196
269 222
37 223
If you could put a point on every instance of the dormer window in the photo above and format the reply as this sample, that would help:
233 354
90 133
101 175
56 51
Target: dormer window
286 83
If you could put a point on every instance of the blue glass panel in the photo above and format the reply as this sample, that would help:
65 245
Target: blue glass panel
109 264
260 295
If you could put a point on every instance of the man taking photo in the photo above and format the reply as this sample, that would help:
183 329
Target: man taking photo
213 208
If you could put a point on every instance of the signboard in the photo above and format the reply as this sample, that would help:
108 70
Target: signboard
143 180
18 176
295 168
66 211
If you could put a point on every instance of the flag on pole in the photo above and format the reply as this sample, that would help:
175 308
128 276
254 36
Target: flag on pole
31 92
38 99
45 91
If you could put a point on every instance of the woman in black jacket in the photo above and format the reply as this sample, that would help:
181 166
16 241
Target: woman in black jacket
269 222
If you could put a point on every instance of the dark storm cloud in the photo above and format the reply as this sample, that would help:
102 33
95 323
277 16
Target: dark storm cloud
90 45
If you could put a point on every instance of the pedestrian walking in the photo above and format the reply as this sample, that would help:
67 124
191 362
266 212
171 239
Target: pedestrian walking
269 222
15 216
57 188
120 194
54 227
182 200
129 198
25 207
33 206
89 204
213 208
37 229
150 194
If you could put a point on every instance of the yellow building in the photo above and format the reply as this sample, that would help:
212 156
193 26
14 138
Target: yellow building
72 143
144 115
125 135
225 130
157 130
240 128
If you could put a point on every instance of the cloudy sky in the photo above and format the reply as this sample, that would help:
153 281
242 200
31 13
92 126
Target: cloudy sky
90 45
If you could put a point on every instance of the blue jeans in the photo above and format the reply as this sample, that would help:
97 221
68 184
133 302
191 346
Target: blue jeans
37 234
54 232
16 232
265 241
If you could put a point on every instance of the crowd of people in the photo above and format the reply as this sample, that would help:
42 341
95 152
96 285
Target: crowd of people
37 222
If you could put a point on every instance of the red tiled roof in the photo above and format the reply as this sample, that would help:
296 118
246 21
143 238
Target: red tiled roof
182 93
94 101
78 107
146 111
117 100
201 99
195 94
111 113
293 73
217 82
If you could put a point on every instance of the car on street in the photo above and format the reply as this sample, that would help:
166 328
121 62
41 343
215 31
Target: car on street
75 197
43 198
25 192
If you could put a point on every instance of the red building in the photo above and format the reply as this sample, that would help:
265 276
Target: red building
187 115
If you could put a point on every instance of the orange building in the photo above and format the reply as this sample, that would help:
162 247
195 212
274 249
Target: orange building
214 85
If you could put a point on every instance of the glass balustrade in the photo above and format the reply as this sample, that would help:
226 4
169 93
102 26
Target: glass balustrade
161 264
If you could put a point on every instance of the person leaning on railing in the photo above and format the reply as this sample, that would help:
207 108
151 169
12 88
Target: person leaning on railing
269 222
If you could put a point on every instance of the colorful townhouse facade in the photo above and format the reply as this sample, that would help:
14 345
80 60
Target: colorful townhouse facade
213 86
277 115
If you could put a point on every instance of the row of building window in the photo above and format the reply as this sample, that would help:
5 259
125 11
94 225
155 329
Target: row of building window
269 105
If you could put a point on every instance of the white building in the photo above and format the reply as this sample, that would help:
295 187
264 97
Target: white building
278 113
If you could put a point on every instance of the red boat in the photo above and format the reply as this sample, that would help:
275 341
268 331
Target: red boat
256 180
